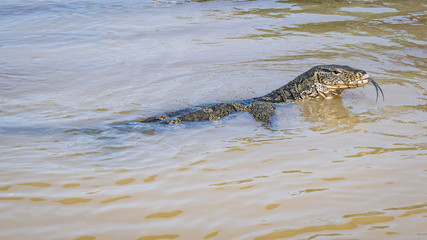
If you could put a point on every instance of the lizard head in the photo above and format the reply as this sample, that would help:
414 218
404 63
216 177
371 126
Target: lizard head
333 79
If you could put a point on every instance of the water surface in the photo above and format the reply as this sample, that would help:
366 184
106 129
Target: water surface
346 168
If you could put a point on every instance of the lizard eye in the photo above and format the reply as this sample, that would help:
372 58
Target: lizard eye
336 72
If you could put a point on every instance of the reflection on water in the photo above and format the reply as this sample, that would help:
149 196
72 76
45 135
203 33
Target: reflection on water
331 114
346 168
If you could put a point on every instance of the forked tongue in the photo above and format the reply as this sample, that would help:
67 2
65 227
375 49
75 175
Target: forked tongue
377 87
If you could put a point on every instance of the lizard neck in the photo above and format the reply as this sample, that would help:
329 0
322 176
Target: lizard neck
282 94
302 87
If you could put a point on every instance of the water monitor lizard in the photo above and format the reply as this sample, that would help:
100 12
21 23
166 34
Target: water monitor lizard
323 81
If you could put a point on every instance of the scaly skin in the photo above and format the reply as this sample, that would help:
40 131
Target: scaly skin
323 81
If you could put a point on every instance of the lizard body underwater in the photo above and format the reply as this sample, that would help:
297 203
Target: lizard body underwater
322 81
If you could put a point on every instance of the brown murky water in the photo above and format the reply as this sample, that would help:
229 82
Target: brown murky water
347 168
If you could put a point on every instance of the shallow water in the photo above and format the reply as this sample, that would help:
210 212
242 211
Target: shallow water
346 168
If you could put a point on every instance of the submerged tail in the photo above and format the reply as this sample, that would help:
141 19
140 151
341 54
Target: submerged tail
262 111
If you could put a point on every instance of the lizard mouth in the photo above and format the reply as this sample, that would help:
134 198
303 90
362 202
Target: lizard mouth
352 84
357 83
